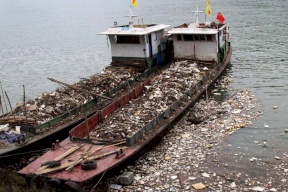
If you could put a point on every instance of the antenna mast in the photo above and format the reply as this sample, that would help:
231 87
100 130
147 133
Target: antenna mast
131 16
197 14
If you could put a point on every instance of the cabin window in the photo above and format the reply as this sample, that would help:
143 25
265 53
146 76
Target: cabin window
196 37
202 37
131 39
209 37
179 37
188 37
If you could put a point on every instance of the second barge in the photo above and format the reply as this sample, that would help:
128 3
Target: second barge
137 119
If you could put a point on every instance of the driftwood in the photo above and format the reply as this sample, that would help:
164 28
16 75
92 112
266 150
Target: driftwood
3 97
65 165
111 141
85 155
17 119
196 120
68 152
78 88
1 105
9 103
25 111
136 64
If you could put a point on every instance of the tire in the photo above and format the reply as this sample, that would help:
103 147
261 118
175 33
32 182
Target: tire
38 181
89 165
55 184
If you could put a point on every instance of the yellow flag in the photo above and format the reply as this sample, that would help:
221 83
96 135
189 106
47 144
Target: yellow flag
134 3
208 8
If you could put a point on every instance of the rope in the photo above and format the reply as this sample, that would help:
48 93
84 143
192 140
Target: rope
99 179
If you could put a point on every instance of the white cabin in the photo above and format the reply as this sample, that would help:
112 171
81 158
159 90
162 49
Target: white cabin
200 41
137 42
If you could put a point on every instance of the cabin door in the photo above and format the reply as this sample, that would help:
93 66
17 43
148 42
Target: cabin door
150 46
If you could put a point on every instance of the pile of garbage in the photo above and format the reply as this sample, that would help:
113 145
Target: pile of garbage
164 90
52 104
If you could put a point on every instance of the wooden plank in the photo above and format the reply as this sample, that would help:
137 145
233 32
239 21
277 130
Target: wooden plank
78 88
64 166
68 152
83 157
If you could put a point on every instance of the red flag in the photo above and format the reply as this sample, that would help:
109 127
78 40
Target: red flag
220 17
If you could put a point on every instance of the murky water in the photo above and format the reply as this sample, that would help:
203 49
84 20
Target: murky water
58 39
260 62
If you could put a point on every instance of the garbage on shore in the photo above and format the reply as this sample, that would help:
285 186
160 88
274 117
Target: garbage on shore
188 146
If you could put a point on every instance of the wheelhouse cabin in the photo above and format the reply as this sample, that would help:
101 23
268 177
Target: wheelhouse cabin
200 41
140 43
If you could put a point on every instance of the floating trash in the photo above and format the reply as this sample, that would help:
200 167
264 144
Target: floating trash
199 186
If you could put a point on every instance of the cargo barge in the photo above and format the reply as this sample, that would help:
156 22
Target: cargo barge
140 117
42 122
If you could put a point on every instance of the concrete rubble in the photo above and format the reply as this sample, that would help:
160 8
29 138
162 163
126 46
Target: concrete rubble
187 159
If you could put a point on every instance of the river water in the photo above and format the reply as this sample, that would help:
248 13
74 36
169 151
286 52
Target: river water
58 39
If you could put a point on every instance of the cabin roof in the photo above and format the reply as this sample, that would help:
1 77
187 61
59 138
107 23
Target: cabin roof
135 30
196 28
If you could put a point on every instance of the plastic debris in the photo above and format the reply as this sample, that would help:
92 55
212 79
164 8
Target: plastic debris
233 185
115 186
272 190
277 158
206 175
199 186
253 159
258 189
